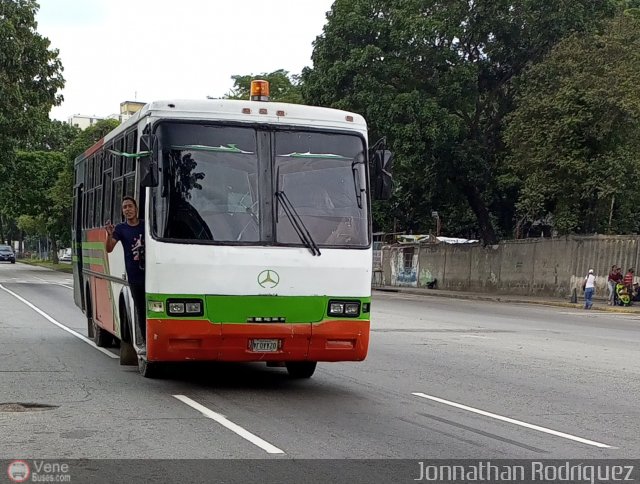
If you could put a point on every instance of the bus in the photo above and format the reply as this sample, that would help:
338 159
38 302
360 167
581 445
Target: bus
257 242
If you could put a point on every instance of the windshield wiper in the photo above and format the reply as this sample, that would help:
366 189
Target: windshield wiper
229 148
297 222
356 181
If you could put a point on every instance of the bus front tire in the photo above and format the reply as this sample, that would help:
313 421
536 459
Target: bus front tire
149 369
301 369
128 355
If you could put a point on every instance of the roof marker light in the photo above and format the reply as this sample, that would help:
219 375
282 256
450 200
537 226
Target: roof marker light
246 111
263 111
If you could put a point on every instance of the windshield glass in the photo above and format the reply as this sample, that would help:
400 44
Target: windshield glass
323 175
218 184
208 188
5 248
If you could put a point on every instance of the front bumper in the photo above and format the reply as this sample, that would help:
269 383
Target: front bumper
201 340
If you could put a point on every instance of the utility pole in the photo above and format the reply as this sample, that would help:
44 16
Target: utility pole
613 200
436 216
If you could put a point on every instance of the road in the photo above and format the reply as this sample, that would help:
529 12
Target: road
444 378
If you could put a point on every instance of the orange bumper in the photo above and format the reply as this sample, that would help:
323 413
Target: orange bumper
181 340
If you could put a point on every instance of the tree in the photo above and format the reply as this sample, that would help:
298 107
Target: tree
574 138
61 193
437 78
52 135
282 86
89 137
31 181
30 77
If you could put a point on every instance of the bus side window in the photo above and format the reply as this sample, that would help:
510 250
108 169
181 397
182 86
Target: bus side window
108 182
116 210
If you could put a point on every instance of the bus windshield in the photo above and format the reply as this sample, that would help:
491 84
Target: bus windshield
215 183
324 177
209 186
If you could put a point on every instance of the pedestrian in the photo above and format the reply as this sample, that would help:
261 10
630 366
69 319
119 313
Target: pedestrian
131 234
628 281
612 280
589 286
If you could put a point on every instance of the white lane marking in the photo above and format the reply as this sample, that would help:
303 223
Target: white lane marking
475 336
514 421
59 325
63 285
54 283
222 420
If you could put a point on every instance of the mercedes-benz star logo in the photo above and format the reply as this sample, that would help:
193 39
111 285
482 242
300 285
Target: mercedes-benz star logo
268 279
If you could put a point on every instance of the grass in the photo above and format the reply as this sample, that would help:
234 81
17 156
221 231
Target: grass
48 264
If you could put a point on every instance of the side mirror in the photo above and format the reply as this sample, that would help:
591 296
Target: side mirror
382 177
149 160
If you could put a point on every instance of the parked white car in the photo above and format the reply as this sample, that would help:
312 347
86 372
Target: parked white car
66 257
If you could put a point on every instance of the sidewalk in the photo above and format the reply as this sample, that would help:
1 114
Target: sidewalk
599 304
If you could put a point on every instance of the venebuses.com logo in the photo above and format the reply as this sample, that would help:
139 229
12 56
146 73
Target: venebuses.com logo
18 471
38 471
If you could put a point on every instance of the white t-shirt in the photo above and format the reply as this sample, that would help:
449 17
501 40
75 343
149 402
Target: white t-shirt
590 281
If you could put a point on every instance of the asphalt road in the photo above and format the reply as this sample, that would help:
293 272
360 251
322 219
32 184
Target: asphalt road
444 379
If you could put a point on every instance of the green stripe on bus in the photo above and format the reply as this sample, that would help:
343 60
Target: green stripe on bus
93 245
239 309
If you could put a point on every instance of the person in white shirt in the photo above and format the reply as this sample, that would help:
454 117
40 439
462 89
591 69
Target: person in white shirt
589 289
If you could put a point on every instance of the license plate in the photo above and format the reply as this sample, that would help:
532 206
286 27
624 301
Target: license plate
264 345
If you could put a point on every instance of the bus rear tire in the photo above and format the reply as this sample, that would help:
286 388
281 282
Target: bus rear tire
101 337
301 369
149 369
90 331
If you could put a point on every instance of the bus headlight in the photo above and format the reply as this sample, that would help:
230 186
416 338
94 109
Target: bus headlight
350 309
193 307
185 307
175 308
336 308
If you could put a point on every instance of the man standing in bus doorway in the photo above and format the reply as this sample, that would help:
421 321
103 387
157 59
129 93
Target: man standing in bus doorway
131 234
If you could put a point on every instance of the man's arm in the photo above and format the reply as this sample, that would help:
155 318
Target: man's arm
111 242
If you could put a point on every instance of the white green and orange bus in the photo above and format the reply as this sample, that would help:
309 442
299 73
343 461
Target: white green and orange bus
257 233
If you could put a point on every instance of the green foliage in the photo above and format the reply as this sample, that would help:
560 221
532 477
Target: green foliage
61 193
437 79
35 172
282 86
32 226
90 136
31 201
52 135
30 72
574 138
30 78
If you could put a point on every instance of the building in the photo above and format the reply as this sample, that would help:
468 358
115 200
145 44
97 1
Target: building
127 109
83 122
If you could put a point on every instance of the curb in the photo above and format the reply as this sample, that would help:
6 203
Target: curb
504 299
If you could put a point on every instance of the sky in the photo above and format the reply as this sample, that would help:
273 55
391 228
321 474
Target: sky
145 50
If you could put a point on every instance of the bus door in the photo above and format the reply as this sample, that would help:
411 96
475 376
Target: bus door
76 259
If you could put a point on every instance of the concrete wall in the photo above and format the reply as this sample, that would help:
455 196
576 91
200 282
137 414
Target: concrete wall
527 267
